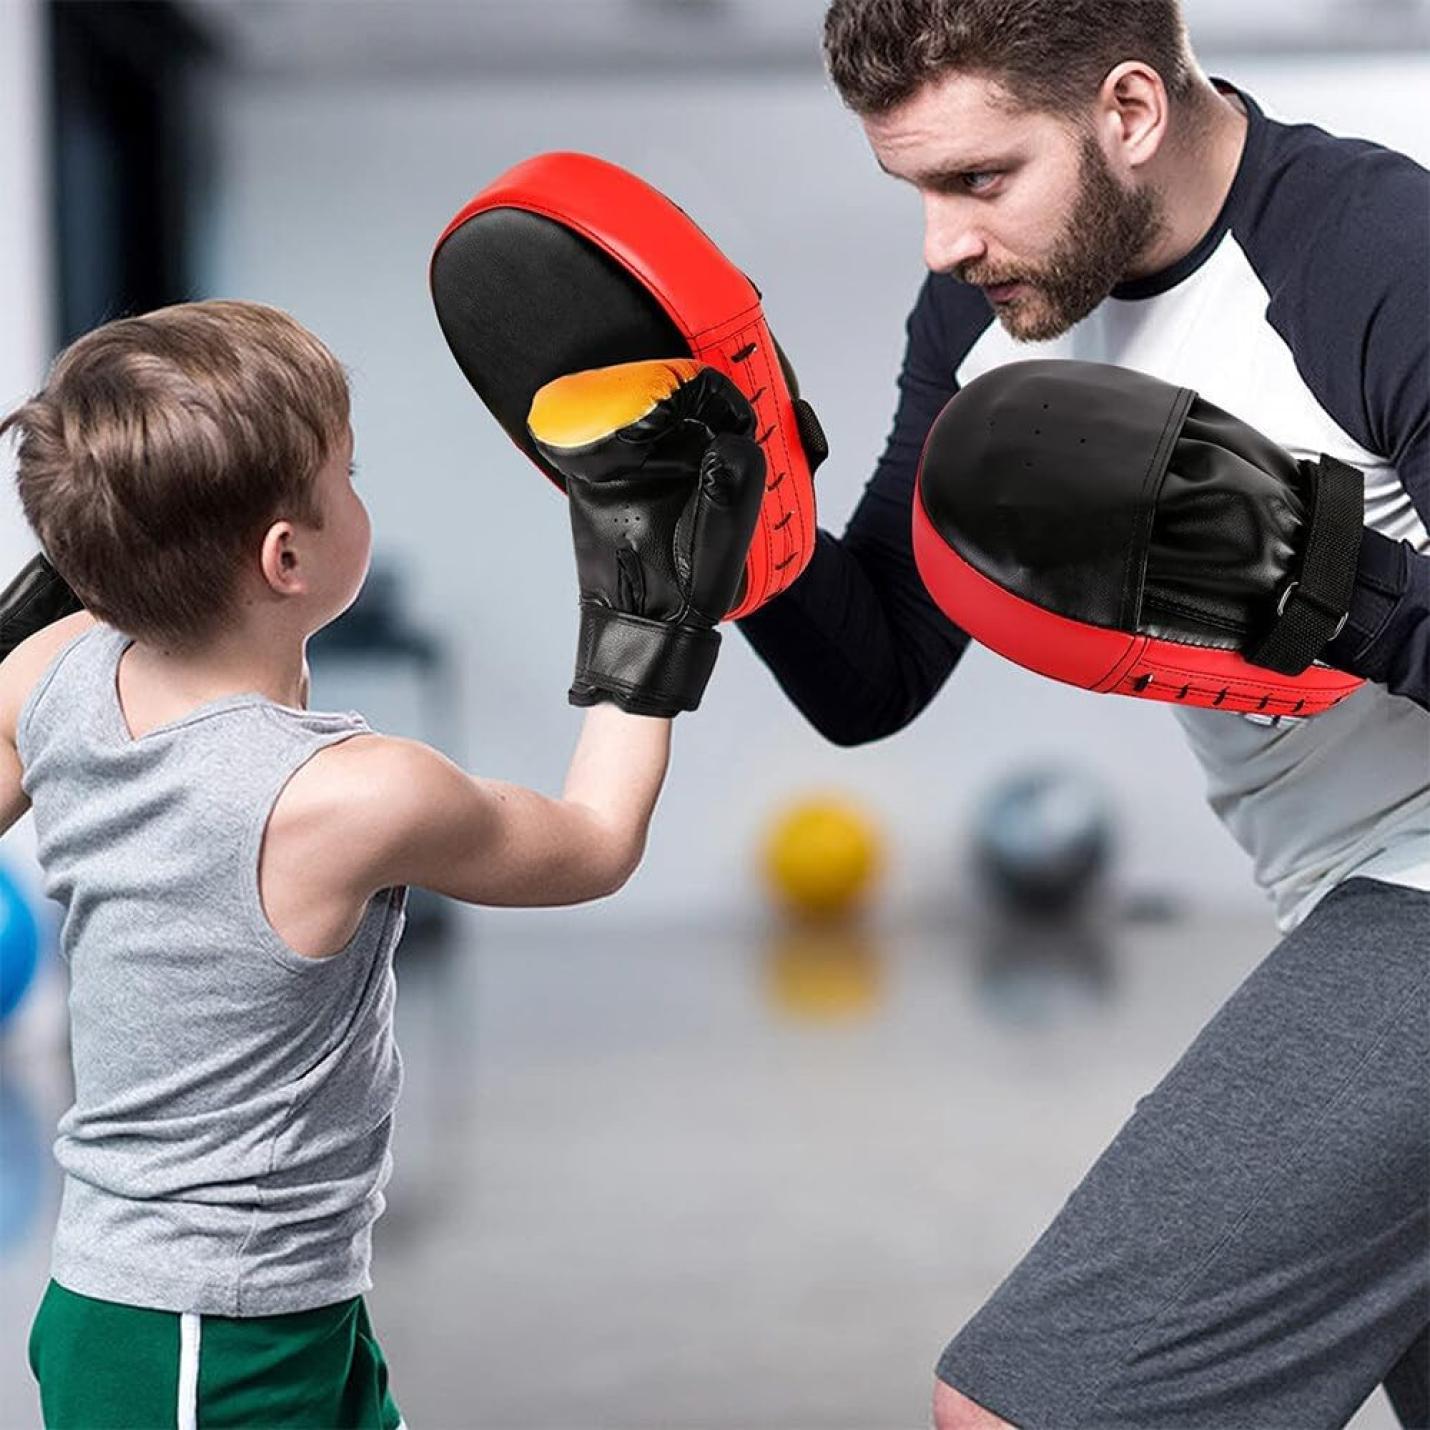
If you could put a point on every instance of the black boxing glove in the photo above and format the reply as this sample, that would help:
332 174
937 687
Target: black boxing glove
36 598
664 481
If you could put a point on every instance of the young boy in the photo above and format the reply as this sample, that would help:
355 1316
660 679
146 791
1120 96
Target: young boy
232 867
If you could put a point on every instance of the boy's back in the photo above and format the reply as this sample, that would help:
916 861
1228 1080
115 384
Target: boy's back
242 1093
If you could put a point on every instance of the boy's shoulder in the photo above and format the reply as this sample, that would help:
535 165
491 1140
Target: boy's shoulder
26 665
368 784
359 807
365 768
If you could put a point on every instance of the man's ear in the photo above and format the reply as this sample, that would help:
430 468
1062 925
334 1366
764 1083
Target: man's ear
1133 113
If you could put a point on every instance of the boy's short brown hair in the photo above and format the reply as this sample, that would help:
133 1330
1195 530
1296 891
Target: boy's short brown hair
1049 55
161 448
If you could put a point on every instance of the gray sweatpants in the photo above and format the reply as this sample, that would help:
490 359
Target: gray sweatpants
1253 1249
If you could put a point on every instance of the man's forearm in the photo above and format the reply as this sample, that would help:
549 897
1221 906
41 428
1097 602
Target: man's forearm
857 648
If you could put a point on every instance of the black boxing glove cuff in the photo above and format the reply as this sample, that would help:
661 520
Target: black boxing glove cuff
36 598
646 667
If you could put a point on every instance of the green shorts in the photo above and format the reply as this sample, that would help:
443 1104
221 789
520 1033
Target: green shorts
102 1365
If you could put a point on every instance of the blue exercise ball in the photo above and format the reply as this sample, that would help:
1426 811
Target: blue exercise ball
1042 839
19 945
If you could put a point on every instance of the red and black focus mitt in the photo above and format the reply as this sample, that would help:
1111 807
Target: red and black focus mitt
567 263
1110 530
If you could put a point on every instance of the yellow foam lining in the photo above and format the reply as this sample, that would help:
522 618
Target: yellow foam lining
583 407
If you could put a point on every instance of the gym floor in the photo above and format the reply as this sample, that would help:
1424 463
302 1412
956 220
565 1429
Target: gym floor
690 1180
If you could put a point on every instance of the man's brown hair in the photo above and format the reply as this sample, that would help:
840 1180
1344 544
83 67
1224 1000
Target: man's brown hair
1048 54
162 447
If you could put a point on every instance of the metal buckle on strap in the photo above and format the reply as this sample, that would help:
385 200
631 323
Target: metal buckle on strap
1292 587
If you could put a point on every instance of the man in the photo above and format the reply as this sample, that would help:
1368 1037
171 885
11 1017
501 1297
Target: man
1251 1250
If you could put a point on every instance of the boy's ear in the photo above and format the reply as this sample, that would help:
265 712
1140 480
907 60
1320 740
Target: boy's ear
279 560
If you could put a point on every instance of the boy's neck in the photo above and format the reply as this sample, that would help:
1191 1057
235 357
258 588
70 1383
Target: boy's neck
234 664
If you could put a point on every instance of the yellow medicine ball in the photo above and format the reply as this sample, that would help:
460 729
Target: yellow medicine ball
821 857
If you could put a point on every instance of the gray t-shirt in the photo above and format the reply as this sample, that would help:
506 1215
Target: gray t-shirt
231 1129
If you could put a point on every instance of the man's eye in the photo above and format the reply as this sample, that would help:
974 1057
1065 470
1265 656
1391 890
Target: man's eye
352 471
978 181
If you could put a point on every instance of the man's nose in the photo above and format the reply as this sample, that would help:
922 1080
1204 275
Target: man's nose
950 240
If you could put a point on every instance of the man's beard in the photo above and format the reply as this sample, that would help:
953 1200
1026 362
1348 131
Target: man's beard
1108 229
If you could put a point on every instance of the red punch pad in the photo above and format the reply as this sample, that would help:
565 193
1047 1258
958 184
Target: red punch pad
1031 534
567 262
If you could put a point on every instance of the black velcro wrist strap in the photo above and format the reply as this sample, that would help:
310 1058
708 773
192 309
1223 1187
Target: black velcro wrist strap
1313 607
1382 574
646 667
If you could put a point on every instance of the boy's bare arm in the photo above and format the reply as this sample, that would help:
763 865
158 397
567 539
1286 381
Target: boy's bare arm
19 672
402 813
13 800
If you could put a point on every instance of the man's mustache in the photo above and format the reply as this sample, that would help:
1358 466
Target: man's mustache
986 277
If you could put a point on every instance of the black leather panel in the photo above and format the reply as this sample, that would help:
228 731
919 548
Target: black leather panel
522 299
1228 525
1043 476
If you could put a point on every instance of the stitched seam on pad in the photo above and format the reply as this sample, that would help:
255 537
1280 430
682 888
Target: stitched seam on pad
1176 606
1391 1023
1251 683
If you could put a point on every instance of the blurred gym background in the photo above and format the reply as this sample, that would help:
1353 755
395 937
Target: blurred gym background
744 1145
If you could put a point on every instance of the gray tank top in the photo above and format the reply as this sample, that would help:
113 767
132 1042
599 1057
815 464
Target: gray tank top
230 1134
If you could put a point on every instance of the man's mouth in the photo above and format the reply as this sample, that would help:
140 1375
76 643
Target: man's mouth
1003 292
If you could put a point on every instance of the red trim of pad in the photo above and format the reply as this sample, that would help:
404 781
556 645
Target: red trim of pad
716 309
1106 660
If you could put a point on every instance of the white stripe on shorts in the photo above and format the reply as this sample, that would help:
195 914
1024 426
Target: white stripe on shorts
187 1417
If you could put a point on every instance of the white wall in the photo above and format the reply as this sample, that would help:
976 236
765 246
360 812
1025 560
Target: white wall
25 279
24 266
330 198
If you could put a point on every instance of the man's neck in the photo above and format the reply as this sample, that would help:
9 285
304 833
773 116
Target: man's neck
1194 175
